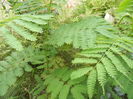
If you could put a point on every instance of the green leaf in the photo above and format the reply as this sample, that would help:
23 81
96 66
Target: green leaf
77 91
84 60
101 74
42 97
124 5
82 34
10 39
64 92
91 83
21 31
34 20
28 68
3 89
24 26
88 55
80 72
28 25
14 66
110 68
57 88
118 64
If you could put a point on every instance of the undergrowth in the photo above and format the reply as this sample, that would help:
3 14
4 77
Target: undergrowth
66 49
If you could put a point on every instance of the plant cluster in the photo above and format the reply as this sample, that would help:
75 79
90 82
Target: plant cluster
54 49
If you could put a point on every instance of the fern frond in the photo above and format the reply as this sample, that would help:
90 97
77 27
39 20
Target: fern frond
110 68
94 50
80 72
90 55
85 60
43 17
83 33
129 40
22 32
91 83
20 25
110 58
77 81
101 74
66 77
30 7
57 88
128 61
59 84
77 91
28 25
34 20
56 83
106 31
10 39
14 66
123 46
51 85
118 64
64 92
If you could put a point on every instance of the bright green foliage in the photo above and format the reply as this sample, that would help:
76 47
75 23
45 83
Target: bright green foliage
10 39
126 5
23 27
85 60
80 72
90 55
30 7
82 34
77 91
125 12
110 68
101 75
64 92
59 85
91 83
110 60
118 64
14 66
128 86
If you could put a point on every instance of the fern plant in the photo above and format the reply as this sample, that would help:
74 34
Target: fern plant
62 87
22 26
14 66
98 57
82 34
105 59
